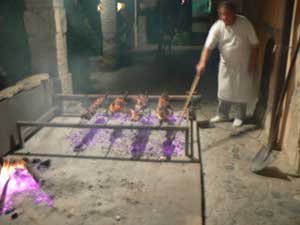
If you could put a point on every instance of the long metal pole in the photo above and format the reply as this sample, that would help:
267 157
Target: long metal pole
98 126
187 142
20 136
94 96
192 138
202 179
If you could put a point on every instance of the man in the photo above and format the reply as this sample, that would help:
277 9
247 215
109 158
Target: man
238 46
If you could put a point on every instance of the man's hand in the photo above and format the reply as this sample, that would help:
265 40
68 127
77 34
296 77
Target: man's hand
200 69
201 66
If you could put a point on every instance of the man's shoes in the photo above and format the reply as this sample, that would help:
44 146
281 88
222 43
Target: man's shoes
219 119
237 122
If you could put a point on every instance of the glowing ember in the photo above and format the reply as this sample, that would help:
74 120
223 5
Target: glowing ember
88 137
15 180
137 143
168 148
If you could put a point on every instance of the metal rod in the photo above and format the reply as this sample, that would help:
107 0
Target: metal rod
49 115
92 96
103 126
187 142
198 139
70 115
202 179
20 136
58 102
28 131
192 138
94 157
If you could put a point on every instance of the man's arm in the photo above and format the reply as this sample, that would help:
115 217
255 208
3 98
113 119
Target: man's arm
253 59
201 66
210 43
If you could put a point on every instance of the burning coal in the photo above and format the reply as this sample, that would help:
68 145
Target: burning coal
142 143
16 180
138 147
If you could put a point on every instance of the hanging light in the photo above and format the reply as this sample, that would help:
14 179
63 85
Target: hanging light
100 6
120 6
183 2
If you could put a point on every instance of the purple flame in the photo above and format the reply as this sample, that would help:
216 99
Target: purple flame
139 144
146 142
88 137
115 135
22 182
168 148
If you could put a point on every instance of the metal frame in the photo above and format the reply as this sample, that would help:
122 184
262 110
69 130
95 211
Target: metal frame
76 97
59 98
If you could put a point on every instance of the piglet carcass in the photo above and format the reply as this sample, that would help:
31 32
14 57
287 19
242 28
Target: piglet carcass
118 105
164 108
90 112
136 112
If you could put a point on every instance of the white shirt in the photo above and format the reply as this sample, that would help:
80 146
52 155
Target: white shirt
234 43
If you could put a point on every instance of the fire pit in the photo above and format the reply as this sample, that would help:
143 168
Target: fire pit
136 136
16 180
146 143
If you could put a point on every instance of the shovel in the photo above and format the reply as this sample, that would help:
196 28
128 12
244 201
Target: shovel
264 157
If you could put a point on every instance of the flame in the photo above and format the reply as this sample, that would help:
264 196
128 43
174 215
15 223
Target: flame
7 170
15 179
4 174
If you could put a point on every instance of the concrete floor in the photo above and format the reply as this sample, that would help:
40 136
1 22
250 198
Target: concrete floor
93 191
236 196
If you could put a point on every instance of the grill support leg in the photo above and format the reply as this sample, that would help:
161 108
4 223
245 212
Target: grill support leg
187 142
20 136
192 138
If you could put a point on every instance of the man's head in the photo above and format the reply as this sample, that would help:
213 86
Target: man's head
227 12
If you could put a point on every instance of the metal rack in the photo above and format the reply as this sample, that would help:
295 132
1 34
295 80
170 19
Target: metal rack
188 129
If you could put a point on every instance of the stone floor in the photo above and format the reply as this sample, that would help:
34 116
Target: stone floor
89 189
235 195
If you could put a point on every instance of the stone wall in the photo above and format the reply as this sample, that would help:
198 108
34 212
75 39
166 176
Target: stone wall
45 23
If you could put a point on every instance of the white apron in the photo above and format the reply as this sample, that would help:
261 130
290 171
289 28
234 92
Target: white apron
235 83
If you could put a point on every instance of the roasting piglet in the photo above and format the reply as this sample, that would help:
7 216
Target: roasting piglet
90 112
164 108
140 103
118 105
